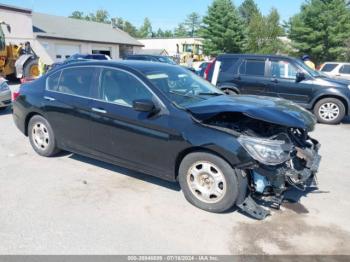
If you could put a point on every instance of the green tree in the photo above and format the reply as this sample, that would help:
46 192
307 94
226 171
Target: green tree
180 30
193 23
146 29
321 29
168 33
77 15
247 10
100 16
125 25
223 28
263 34
160 33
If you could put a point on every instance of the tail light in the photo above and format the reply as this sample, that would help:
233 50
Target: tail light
207 70
15 95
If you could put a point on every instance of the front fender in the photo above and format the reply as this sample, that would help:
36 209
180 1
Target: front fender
332 92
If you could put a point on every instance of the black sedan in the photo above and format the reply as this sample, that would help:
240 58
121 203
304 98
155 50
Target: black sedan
167 122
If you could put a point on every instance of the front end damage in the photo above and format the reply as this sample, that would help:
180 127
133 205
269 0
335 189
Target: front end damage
284 157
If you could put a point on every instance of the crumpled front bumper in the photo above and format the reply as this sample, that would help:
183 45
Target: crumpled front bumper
299 172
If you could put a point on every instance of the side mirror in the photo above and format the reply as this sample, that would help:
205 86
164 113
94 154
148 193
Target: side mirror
143 105
300 77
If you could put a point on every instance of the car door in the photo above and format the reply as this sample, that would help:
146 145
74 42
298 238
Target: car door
344 72
120 133
283 81
251 77
67 103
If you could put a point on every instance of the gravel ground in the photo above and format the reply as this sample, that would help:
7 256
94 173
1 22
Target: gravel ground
75 205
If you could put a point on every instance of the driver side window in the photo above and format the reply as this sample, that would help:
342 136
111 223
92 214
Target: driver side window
283 69
120 87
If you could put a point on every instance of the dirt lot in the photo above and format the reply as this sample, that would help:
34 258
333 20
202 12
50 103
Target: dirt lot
74 205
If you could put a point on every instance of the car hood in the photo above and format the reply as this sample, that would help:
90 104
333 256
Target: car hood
273 110
338 82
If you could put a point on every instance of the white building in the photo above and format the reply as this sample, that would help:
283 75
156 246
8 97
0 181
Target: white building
175 46
55 38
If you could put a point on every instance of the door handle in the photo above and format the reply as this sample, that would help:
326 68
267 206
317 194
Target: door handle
48 98
99 110
274 80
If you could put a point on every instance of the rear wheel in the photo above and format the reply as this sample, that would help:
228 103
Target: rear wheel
41 136
31 69
329 111
208 182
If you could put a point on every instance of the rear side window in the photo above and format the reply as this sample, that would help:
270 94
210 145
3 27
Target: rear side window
253 67
76 81
52 81
329 67
345 69
228 64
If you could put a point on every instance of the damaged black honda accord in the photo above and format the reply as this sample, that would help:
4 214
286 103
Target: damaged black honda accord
165 121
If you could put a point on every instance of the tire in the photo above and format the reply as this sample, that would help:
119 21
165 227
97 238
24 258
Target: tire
31 68
226 183
229 92
42 137
335 114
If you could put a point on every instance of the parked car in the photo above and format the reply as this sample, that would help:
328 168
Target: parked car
80 57
167 122
282 77
152 58
5 94
336 70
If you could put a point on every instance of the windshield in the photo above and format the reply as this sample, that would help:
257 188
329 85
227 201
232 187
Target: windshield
312 72
167 60
181 86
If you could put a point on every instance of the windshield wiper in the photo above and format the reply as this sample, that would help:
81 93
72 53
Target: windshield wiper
184 95
210 94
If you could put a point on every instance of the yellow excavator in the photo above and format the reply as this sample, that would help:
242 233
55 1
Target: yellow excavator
17 61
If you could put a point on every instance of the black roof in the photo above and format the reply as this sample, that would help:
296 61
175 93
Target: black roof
138 65
255 56
147 55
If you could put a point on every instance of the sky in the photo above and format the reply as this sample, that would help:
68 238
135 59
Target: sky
165 14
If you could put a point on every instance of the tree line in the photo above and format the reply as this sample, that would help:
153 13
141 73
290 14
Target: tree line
321 29
188 28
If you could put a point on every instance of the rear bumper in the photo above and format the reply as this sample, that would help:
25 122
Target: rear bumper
5 98
18 118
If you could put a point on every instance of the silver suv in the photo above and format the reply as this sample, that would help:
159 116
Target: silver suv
5 94
336 70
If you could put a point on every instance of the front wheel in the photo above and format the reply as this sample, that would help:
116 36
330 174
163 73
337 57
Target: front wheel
208 182
42 137
329 111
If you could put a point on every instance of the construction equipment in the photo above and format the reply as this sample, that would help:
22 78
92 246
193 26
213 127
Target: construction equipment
17 61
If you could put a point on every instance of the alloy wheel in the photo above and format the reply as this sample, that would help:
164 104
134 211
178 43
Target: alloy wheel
329 111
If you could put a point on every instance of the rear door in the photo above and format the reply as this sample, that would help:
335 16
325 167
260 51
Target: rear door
252 76
67 102
282 75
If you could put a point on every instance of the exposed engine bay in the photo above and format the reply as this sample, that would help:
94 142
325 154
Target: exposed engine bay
284 157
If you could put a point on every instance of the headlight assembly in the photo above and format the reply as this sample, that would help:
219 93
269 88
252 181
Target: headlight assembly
266 151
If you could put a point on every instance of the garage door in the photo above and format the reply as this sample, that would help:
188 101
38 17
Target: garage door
65 51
